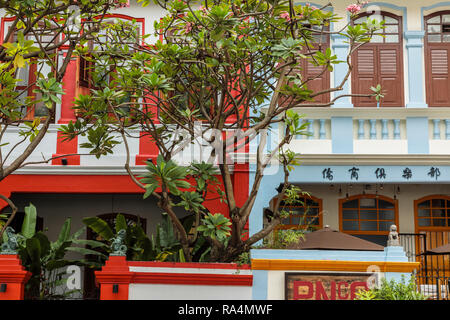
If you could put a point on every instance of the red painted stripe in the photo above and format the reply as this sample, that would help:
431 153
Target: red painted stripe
193 279
196 265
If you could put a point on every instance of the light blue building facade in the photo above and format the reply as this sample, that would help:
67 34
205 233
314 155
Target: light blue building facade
369 166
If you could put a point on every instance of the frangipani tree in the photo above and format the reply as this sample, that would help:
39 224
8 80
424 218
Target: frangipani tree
223 66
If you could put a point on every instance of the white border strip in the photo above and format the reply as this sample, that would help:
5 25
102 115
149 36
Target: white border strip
191 270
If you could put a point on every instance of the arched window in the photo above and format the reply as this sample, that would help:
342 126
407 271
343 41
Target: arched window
433 212
307 211
437 47
368 216
380 62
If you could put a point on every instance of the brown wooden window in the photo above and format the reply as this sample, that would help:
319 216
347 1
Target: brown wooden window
306 212
319 80
368 216
433 212
432 219
437 45
380 62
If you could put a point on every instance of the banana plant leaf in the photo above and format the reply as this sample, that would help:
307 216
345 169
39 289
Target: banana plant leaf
121 223
85 251
99 226
29 221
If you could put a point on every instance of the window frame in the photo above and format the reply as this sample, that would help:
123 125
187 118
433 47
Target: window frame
303 198
377 220
305 63
430 217
428 46
376 46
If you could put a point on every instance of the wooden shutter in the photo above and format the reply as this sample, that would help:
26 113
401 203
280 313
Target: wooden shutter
378 64
365 75
84 72
437 75
391 75
318 84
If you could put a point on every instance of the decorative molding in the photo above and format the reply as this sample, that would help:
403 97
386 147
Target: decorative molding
371 159
332 265
390 6
375 113
431 7
192 279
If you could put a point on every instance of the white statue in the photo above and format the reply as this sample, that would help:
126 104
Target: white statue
393 239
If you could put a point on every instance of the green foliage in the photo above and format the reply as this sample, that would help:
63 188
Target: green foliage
191 201
289 158
46 259
243 259
283 238
204 174
393 290
295 125
162 246
377 92
166 174
26 48
49 89
215 226
363 33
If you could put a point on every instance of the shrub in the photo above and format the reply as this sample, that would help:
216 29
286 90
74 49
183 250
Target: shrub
393 290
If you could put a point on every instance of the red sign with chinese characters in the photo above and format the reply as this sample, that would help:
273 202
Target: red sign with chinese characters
325 286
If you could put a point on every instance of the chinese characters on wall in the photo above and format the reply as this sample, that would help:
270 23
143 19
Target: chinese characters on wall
380 173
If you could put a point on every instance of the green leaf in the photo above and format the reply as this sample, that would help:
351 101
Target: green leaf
99 226
85 251
44 243
92 243
121 223
149 190
29 221
64 234
33 249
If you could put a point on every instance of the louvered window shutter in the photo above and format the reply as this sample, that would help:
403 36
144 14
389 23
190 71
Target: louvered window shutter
380 62
365 75
321 80
390 75
84 72
438 83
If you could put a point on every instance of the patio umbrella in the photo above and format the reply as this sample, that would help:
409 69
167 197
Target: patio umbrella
329 239
445 249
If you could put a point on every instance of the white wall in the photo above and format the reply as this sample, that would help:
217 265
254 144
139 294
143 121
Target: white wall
188 292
